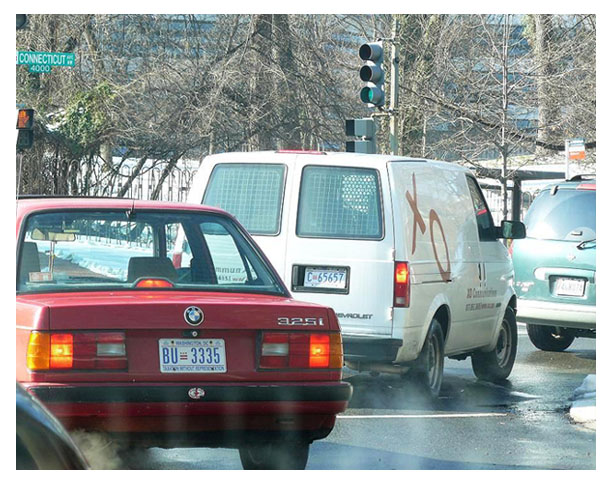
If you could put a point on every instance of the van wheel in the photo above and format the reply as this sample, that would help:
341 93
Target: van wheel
549 338
496 365
429 367
275 456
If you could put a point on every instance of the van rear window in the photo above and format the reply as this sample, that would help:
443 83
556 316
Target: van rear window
338 202
252 192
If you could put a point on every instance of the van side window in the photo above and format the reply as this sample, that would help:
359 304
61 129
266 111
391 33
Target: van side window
486 227
338 202
252 192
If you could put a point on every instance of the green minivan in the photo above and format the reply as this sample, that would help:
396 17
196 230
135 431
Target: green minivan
555 265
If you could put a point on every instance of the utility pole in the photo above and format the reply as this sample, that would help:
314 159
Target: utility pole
394 101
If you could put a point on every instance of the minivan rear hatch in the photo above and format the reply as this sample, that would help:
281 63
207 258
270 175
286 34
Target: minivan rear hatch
557 262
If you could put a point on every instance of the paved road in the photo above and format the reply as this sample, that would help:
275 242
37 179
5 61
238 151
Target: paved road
474 425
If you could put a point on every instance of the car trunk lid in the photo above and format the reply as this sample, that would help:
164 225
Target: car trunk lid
154 320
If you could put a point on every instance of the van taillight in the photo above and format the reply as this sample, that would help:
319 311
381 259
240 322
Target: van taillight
177 259
301 350
401 285
77 351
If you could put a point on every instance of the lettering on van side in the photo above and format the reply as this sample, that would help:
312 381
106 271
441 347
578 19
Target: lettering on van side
480 306
433 218
300 321
354 316
473 293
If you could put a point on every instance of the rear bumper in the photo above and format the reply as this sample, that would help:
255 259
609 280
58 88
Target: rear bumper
223 415
364 348
547 313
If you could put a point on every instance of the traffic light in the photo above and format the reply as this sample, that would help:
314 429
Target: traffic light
21 19
373 74
25 128
365 130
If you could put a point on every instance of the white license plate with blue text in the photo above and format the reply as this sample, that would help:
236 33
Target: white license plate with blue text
325 278
192 356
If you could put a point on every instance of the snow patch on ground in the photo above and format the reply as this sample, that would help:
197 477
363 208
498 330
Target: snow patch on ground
583 410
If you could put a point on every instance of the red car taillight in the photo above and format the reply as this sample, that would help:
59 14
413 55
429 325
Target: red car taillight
76 351
401 285
301 350
153 284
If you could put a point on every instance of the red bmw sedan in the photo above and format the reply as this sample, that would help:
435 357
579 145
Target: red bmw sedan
115 333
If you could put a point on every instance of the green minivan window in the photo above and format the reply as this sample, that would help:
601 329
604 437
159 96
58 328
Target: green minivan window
564 215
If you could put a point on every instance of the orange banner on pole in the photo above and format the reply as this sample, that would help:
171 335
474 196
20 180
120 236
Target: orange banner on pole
576 149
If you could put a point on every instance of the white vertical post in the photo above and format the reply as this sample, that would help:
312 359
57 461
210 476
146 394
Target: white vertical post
567 160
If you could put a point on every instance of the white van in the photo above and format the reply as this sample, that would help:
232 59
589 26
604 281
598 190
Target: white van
404 250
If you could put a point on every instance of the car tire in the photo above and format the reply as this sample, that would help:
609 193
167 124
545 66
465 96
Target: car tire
549 338
428 369
496 365
275 456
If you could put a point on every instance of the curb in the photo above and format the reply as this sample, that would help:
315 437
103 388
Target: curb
583 409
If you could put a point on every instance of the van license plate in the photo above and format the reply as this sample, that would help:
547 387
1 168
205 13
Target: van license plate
192 356
566 286
325 278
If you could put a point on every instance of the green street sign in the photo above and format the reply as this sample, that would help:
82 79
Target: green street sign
62 59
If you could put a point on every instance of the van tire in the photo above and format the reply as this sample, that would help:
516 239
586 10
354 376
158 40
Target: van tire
496 365
275 456
429 367
549 338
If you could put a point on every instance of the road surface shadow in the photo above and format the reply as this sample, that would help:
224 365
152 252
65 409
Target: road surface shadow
459 393
327 455
569 361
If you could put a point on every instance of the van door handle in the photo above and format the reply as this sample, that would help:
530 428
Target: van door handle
479 272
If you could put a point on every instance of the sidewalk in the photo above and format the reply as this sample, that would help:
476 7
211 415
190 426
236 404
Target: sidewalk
583 409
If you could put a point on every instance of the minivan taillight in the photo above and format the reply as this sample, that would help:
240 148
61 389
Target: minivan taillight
401 285
301 350
587 186
77 351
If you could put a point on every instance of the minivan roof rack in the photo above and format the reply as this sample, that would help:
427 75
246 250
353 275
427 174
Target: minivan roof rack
589 176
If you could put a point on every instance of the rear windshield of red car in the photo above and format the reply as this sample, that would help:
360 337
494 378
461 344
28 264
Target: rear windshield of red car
110 250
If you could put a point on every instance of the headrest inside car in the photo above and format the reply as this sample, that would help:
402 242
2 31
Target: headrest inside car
151 267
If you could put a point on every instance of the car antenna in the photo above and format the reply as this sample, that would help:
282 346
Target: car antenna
130 211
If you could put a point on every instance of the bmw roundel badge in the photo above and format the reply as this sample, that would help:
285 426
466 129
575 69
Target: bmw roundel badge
194 316
196 393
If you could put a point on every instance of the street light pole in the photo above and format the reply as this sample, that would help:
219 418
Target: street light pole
393 103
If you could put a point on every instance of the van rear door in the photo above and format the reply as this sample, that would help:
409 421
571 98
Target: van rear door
340 242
